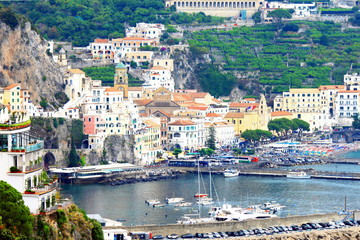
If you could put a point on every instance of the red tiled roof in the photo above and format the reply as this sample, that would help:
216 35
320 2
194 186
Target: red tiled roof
213 115
280 113
328 87
11 86
243 105
203 108
158 68
199 94
349 91
142 102
182 122
99 40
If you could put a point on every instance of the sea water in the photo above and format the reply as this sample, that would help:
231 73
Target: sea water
300 196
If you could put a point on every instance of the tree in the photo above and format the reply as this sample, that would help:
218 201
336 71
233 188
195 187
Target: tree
16 221
356 121
324 40
206 152
211 140
302 125
74 159
133 64
256 17
176 152
250 135
278 15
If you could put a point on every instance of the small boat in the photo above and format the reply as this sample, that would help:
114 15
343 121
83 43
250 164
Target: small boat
205 201
152 201
173 200
300 175
274 206
201 195
183 204
158 205
231 173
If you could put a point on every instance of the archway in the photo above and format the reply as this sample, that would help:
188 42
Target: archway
49 160
85 144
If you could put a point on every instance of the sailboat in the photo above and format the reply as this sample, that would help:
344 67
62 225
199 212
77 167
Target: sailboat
206 200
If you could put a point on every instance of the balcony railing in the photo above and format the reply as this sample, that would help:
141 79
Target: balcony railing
15 126
45 188
35 147
34 167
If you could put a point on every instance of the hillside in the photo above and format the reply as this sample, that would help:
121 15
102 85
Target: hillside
302 54
24 60
80 21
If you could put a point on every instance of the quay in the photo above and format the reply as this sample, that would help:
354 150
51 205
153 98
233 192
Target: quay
236 225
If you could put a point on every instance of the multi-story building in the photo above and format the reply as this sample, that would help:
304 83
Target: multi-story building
305 104
224 132
184 135
22 164
352 81
147 141
243 9
167 63
146 30
102 49
157 77
347 105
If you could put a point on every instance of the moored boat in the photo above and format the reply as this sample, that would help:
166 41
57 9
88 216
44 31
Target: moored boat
231 173
201 195
183 204
158 205
152 201
173 200
298 175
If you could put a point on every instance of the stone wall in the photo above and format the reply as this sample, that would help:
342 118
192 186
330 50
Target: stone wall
234 225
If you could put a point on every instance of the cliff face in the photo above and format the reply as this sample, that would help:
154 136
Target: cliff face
23 59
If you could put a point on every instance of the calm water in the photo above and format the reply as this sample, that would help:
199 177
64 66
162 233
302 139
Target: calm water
301 196
355 154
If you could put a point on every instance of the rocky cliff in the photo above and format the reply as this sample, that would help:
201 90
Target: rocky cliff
24 59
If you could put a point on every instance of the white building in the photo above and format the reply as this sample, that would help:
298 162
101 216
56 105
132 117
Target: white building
224 132
347 104
22 164
102 49
352 81
146 30
301 9
185 135
157 77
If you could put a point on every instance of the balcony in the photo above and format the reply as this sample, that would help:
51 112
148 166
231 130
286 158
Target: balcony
34 147
34 167
43 189
14 126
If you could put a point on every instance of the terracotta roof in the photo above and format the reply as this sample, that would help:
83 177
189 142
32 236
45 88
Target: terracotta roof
223 123
328 87
76 71
349 91
135 88
11 86
155 74
243 105
213 115
143 114
112 89
134 38
198 108
182 122
165 113
151 123
250 99
280 113
99 40
158 68
179 97
216 100
142 102
199 94
234 115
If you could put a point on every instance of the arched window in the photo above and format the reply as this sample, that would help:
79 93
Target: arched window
176 135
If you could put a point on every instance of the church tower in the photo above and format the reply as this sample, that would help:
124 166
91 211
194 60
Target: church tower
121 79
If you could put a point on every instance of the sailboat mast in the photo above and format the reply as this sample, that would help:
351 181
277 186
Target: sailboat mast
199 205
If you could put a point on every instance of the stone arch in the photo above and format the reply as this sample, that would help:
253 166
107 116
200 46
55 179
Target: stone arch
355 137
177 146
210 4
85 144
49 160
226 4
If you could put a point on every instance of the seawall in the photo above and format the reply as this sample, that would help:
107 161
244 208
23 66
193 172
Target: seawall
234 225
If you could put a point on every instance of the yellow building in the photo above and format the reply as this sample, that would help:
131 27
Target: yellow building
12 98
121 79
147 142
281 114
303 103
245 121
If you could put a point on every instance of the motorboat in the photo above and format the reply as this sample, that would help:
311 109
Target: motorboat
273 206
231 213
173 200
158 205
205 201
201 195
231 173
183 204
152 201
300 175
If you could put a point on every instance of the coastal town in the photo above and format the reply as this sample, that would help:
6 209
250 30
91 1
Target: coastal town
147 135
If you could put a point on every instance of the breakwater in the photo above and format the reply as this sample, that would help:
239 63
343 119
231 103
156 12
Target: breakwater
234 225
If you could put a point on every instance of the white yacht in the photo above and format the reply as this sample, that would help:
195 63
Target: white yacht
297 175
174 200
152 201
231 173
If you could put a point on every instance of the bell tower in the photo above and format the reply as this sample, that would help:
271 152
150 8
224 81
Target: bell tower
121 79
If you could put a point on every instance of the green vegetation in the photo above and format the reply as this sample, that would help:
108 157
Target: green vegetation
211 140
16 221
74 159
77 132
356 122
283 125
256 135
213 81
8 17
176 152
80 21
320 55
206 152
106 75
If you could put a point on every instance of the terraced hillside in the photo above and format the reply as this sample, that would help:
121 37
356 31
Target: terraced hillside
302 54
